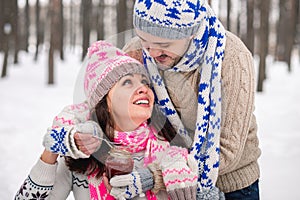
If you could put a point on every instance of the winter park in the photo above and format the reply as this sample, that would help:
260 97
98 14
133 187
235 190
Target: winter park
29 101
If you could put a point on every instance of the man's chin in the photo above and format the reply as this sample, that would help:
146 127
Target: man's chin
162 66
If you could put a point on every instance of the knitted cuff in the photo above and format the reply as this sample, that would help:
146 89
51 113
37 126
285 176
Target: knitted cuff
157 178
146 179
183 193
74 151
212 194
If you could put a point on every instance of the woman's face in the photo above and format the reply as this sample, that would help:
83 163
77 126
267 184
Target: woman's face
130 102
166 52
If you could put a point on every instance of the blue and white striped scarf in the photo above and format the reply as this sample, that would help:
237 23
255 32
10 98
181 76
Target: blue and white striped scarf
206 52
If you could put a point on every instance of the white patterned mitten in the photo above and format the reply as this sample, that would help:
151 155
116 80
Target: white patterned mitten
180 173
59 138
130 185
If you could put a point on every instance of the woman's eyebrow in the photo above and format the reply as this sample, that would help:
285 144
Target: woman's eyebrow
129 74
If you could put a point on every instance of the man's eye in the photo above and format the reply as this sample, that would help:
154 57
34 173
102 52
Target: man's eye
164 45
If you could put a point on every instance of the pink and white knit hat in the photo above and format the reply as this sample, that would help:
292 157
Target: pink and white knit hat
105 65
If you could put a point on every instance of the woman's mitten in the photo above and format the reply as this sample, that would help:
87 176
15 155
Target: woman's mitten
180 173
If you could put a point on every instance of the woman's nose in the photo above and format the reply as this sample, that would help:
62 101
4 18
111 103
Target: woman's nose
142 89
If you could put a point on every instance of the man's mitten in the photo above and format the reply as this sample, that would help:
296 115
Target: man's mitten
130 185
180 173
61 140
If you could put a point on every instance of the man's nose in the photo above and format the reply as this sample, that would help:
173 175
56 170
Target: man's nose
154 52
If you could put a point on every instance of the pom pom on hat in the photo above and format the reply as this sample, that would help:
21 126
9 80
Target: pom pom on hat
172 19
104 66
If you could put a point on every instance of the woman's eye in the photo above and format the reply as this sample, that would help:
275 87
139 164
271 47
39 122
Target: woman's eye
146 82
126 82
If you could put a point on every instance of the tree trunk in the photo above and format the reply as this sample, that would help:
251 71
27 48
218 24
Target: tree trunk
1 25
61 30
15 30
282 26
121 22
291 32
130 5
228 14
298 29
71 22
27 24
51 66
5 58
250 29
37 31
264 42
54 37
100 20
86 10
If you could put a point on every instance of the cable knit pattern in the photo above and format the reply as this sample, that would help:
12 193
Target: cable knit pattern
238 142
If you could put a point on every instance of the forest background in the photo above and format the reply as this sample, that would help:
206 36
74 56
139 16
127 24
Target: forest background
267 27
43 43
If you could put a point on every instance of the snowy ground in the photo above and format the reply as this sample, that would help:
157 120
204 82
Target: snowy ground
28 105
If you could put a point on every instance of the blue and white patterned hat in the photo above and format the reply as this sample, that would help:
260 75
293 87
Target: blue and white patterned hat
172 19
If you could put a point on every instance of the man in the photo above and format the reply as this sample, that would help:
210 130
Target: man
203 79
204 82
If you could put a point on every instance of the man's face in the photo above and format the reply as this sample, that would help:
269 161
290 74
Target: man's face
166 52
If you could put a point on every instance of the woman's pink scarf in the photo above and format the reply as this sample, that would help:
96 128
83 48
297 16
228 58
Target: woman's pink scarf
143 138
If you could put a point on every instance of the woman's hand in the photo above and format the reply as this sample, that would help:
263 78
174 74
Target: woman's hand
106 182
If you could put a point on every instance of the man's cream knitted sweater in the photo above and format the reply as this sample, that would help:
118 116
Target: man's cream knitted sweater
239 142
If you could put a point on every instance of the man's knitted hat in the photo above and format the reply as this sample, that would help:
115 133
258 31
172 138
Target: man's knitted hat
172 19
104 66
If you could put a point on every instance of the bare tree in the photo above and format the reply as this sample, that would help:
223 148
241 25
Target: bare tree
86 27
37 30
8 25
1 24
130 5
298 28
121 22
264 42
250 29
228 22
54 36
27 24
72 22
100 20
291 32
286 31
61 30
15 32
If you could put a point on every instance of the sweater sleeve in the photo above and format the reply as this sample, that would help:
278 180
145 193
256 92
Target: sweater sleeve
134 49
46 181
39 182
237 102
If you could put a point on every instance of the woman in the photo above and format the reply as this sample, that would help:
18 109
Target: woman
118 93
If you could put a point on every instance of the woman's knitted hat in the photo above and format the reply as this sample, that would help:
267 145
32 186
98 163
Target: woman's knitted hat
104 66
172 19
